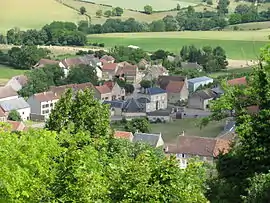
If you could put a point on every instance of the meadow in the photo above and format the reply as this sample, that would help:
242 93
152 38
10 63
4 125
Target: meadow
7 72
250 26
238 45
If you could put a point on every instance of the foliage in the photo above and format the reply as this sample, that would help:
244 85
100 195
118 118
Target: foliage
99 13
108 13
129 88
26 56
82 74
159 54
148 9
117 11
146 83
82 10
39 80
138 124
84 112
14 115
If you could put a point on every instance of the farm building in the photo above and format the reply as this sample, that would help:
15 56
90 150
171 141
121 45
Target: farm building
195 83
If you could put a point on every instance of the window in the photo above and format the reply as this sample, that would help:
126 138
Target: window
47 105
106 98
183 156
43 106
51 104
23 112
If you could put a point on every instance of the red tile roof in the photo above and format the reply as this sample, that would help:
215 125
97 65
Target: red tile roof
175 86
16 125
72 62
109 67
46 96
127 69
61 89
107 58
110 84
103 89
123 134
43 62
238 81
201 146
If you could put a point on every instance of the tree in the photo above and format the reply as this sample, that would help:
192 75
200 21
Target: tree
171 23
138 124
108 13
159 54
146 83
82 10
223 7
14 116
235 18
209 2
129 88
178 7
99 13
241 9
157 26
148 9
84 112
117 11
82 74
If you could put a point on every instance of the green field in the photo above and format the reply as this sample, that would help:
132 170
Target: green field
250 26
238 45
7 72
230 71
190 126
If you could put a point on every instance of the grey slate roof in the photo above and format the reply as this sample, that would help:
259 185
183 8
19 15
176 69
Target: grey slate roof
143 100
115 104
159 113
14 104
205 94
132 106
199 79
151 139
155 90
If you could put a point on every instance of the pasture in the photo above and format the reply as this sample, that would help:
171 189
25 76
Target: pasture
7 72
28 14
250 26
238 45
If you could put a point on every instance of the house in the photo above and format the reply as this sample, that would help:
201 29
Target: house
143 64
154 71
17 82
123 135
8 93
44 62
107 59
3 115
156 97
116 91
201 99
164 80
207 149
103 92
68 63
155 140
94 62
109 71
218 91
159 116
190 65
59 90
133 108
43 103
127 71
18 104
195 83
177 91
116 107
237 81
17 126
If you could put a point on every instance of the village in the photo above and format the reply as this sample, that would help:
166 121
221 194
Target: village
168 98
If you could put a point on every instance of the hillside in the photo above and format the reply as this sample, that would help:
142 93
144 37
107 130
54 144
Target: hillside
27 14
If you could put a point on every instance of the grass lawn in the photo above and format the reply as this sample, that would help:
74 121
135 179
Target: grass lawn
190 126
33 13
7 72
230 71
238 45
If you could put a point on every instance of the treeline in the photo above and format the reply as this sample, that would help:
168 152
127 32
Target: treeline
56 33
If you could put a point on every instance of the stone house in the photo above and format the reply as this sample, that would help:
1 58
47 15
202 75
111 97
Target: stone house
44 62
107 59
128 71
8 93
156 99
17 82
177 91
207 149
17 104
109 71
43 103
103 93
195 83
154 71
155 140
117 92
201 99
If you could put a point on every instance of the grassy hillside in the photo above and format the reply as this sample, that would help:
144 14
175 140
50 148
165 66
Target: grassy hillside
33 13
238 45
250 26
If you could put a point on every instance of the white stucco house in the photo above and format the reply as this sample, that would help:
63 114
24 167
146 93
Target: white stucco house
17 104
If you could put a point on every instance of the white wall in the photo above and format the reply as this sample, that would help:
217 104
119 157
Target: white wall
24 113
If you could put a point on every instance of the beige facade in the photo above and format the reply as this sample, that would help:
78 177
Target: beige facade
118 93
157 102
197 102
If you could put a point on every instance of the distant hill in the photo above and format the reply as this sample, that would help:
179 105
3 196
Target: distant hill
27 14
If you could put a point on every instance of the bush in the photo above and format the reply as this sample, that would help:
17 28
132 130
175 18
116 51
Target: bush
235 28
209 2
101 45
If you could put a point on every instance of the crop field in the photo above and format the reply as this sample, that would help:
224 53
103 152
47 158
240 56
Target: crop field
33 13
238 45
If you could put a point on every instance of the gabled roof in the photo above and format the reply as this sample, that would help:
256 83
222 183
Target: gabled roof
201 146
143 100
17 125
46 96
103 89
44 62
69 62
21 79
14 104
151 139
199 79
75 87
107 58
126 68
123 135
109 67
7 91
238 81
110 84
155 90
164 80
115 103
175 86
89 58
205 94
133 106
